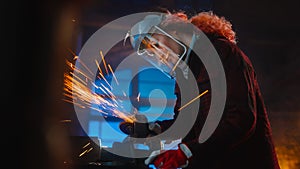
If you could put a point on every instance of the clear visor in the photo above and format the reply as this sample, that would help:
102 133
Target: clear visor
156 49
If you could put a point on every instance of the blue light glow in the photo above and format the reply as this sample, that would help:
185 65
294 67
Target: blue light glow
151 82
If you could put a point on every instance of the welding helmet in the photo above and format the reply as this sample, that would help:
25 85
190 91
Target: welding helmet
142 39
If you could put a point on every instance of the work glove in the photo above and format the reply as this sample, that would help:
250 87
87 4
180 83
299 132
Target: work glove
141 128
170 159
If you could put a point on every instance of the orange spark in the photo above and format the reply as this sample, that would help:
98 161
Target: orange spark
84 65
104 63
89 149
86 145
65 121
138 97
73 53
81 154
77 58
193 100
100 71
105 80
113 74
72 67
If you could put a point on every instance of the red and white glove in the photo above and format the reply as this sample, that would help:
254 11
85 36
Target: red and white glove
170 159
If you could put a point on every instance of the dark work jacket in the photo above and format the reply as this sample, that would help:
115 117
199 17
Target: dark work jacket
243 138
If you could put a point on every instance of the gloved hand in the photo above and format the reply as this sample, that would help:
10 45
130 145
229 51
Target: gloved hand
141 128
126 127
170 159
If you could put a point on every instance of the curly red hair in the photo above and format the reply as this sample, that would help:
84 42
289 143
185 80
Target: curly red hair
210 23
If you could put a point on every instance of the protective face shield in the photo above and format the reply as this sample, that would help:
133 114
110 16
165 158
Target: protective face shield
143 38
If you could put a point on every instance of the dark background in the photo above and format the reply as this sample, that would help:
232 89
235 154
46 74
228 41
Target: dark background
267 31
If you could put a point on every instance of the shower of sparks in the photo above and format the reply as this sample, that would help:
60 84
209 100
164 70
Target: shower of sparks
101 73
76 58
78 92
193 100
102 76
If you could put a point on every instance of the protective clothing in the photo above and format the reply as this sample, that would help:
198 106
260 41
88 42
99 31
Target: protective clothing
243 138
170 159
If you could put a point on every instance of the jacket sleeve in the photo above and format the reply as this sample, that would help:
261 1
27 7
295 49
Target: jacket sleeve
239 117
